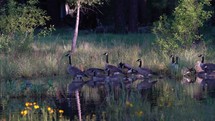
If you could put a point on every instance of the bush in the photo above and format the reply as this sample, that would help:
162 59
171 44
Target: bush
4 43
18 23
182 29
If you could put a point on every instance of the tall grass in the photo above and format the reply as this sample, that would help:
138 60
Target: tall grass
47 57
172 101
169 100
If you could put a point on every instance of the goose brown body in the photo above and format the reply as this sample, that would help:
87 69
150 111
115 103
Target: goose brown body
113 69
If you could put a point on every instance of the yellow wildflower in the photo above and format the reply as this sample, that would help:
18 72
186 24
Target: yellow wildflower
49 108
61 111
51 111
34 103
30 104
139 113
36 106
27 104
24 112
129 104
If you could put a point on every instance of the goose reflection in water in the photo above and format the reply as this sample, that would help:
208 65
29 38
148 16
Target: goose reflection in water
203 82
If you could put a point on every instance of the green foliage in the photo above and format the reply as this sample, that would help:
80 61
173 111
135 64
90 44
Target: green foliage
85 2
46 31
17 24
159 4
5 43
183 28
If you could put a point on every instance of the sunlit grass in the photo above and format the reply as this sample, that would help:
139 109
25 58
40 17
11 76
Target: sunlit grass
47 57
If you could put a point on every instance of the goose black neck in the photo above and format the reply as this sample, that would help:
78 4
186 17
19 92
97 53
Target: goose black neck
121 65
94 73
107 58
70 61
176 60
173 59
203 59
140 65
108 72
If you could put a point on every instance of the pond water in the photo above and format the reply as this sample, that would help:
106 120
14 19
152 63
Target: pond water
48 99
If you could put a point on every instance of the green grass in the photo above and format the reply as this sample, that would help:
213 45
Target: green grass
47 56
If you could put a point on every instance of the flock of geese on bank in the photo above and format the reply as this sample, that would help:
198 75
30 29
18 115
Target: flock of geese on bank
123 75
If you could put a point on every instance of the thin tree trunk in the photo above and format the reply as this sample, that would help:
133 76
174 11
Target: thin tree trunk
74 40
78 105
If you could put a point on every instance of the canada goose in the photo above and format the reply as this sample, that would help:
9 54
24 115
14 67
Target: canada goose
76 84
114 80
188 75
145 84
205 75
187 71
146 72
125 67
96 80
202 74
172 59
186 80
94 71
209 84
134 75
203 58
113 69
174 63
72 70
203 81
202 85
201 66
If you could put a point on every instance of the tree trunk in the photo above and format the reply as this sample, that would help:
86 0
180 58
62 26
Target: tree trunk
133 16
119 6
74 40
78 105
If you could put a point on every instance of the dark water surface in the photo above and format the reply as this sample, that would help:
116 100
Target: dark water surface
48 96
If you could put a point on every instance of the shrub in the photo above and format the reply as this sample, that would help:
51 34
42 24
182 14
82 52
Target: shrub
182 29
18 23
